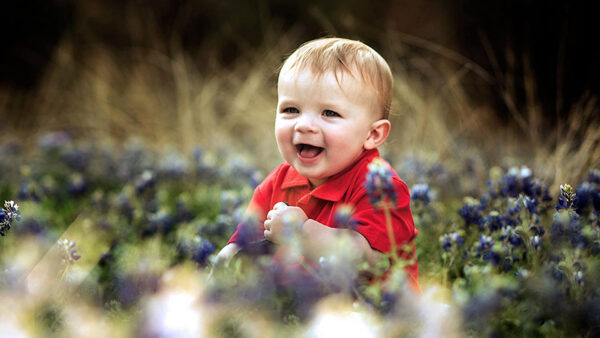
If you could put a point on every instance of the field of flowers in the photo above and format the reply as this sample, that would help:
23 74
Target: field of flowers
100 240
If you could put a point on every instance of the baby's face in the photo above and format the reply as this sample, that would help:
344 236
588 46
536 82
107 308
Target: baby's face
322 125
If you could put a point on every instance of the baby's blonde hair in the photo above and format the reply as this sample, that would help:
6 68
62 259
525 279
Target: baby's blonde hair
345 56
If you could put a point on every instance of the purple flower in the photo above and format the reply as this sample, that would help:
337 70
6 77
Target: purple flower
587 196
530 204
511 236
536 242
379 182
421 192
579 277
8 214
29 190
343 218
77 159
248 231
594 176
471 213
201 252
484 243
54 141
450 240
77 184
145 182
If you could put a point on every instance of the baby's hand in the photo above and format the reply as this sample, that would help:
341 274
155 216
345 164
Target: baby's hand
281 220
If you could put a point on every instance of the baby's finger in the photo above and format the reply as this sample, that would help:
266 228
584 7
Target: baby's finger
279 205
267 225
267 235
270 214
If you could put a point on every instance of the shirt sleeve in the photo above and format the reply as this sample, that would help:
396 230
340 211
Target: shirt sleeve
256 212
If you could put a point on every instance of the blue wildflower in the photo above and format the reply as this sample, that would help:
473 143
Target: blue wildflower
28 190
203 169
343 217
197 154
184 213
379 182
510 184
230 201
450 240
521 273
515 208
494 259
537 230
11 148
77 159
484 200
201 252
532 188
8 214
594 176
224 224
248 231
567 226
145 182
579 277
77 184
471 212
173 165
536 242
510 235
494 221
531 205
161 221
587 196
520 180
421 192
484 243
123 204
54 141
557 273
255 179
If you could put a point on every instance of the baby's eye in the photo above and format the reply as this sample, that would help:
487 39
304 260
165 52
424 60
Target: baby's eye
330 113
291 110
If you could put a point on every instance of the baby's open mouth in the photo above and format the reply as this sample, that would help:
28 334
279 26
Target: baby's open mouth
307 150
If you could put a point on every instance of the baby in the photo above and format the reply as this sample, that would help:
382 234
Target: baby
334 98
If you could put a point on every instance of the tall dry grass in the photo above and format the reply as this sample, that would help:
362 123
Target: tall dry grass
168 99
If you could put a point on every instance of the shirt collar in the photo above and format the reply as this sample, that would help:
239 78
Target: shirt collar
335 187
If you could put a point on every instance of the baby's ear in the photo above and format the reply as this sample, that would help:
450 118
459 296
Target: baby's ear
379 131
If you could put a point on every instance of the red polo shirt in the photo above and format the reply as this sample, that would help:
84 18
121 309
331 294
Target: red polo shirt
285 184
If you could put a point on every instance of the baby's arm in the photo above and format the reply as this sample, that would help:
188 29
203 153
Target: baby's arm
316 237
225 255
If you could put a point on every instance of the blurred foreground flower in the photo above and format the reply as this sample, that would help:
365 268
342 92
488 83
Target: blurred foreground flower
379 182
68 251
8 214
344 217
337 317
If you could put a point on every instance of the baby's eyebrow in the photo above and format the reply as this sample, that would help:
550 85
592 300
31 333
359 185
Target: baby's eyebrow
285 102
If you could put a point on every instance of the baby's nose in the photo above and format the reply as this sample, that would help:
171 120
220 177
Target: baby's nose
306 124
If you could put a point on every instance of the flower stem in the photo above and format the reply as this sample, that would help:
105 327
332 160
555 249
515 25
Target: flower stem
392 237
